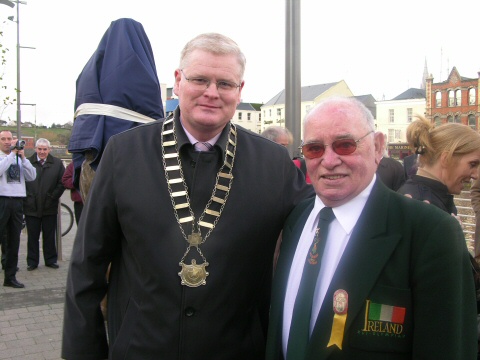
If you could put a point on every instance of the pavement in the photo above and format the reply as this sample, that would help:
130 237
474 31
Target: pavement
31 318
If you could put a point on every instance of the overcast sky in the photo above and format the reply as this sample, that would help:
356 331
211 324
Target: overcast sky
377 47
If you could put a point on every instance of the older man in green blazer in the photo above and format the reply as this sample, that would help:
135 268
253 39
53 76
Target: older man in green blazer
394 279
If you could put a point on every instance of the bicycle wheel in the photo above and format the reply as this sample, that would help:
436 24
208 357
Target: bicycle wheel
66 218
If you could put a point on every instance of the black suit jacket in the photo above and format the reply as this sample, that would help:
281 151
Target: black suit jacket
391 172
129 221
402 253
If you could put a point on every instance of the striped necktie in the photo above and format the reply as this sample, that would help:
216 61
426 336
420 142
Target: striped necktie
203 146
300 327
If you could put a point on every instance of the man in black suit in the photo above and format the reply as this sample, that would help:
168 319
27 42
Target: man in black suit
189 221
394 280
391 172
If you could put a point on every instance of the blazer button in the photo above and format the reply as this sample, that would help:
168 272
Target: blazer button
189 311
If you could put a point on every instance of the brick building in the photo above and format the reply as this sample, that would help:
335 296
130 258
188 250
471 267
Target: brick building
453 100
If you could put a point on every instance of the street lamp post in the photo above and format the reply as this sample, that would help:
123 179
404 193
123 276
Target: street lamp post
19 110
35 131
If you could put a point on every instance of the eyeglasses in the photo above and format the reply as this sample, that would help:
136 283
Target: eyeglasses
202 84
315 150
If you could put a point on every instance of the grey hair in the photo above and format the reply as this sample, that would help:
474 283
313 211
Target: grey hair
43 141
214 43
344 102
274 132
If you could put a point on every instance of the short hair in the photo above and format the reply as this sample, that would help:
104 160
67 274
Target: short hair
346 102
214 43
451 138
274 132
43 141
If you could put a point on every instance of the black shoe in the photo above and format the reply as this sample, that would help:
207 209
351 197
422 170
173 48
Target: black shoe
31 267
13 283
53 266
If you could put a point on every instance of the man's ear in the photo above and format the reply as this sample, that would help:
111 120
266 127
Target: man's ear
379 141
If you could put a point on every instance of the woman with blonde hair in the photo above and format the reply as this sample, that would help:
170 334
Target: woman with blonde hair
449 156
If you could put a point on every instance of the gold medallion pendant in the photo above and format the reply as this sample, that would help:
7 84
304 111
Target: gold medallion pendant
193 275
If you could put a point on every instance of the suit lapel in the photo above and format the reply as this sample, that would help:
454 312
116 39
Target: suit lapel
366 254
291 234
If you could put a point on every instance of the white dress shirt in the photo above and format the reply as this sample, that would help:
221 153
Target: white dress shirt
346 216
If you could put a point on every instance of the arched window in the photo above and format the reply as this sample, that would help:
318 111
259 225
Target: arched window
458 97
471 96
471 122
457 119
451 98
438 99
450 118
437 121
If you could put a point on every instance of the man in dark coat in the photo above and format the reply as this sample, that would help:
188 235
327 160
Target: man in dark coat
394 280
190 231
391 172
41 205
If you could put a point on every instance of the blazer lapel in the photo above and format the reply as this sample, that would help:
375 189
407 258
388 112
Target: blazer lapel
291 234
366 254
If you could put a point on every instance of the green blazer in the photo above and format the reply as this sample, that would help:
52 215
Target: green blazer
404 257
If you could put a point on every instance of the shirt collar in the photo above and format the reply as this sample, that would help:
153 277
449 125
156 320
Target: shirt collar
347 214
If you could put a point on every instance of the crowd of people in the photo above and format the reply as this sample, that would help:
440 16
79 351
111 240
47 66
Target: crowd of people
30 191
218 246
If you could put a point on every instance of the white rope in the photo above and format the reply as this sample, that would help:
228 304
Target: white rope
112 110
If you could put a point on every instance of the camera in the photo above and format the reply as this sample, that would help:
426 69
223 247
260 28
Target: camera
19 145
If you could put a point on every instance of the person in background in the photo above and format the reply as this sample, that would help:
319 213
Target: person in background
278 134
449 160
41 205
67 181
284 137
189 230
15 169
394 279
475 200
391 172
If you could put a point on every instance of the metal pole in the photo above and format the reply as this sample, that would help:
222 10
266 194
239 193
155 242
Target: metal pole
19 111
292 74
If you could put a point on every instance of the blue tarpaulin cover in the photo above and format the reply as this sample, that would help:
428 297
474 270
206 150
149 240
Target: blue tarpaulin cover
121 72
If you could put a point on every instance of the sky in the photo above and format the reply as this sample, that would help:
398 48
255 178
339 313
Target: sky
376 47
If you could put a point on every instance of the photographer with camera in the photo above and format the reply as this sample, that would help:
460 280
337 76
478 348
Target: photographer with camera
15 169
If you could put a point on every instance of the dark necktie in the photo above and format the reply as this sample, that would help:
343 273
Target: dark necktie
42 161
302 310
203 146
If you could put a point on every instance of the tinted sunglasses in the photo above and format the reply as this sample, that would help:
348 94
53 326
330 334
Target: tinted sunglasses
347 146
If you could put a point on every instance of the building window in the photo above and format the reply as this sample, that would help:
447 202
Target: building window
248 117
239 116
471 96
279 112
450 118
307 108
260 116
451 98
397 134
409 115
391 133
437 121
457 119
391 116
458 98
270 113
438 99
471 122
